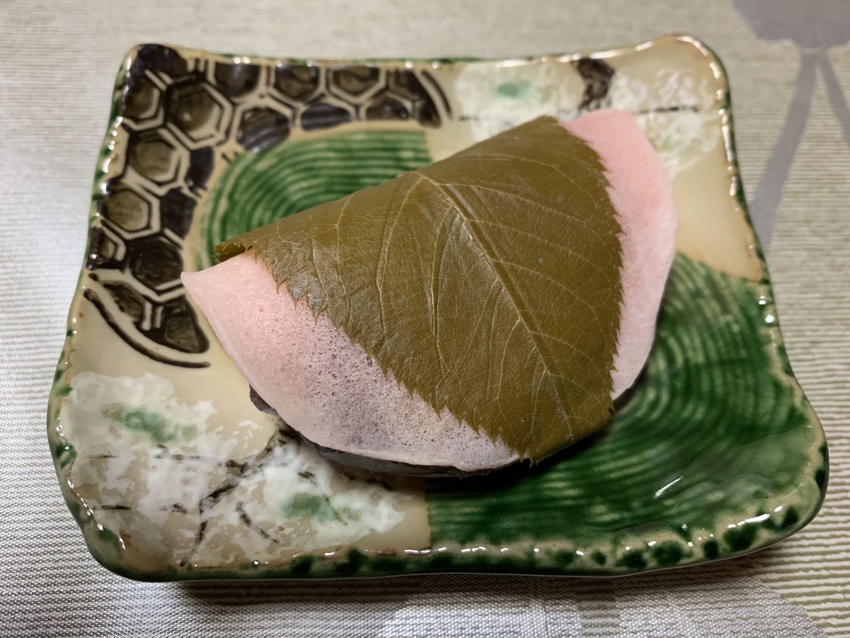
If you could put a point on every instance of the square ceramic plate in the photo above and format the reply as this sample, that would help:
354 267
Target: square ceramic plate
173 474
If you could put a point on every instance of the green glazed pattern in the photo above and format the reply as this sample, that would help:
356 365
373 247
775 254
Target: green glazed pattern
173 474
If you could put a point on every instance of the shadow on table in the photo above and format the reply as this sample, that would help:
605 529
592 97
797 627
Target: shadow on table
716 598
459 586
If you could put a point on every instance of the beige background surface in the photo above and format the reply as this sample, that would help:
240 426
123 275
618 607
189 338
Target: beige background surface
57 63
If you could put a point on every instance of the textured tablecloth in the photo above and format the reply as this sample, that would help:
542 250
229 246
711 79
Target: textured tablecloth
57 64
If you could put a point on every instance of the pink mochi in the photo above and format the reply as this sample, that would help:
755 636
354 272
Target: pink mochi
328 389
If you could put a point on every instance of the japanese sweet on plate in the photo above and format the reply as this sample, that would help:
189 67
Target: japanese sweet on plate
484 309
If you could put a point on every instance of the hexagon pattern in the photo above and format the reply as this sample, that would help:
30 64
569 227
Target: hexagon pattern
196 111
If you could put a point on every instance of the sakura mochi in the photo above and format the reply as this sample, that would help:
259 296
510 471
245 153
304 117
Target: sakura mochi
482 310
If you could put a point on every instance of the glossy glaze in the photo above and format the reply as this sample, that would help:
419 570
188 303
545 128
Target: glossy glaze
172 472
